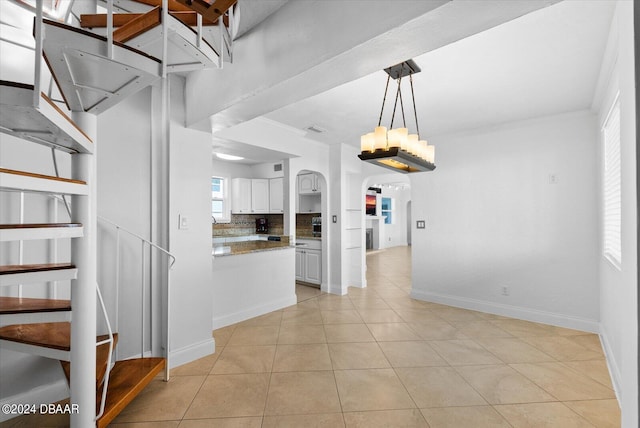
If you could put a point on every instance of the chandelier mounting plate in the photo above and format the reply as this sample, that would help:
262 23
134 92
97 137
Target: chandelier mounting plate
403 69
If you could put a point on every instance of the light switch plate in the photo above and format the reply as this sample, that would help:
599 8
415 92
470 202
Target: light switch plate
335 218
183 222
420 224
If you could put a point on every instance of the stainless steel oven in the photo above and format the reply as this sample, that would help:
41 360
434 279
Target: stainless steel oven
316 227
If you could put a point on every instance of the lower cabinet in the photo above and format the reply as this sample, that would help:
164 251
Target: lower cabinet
309 265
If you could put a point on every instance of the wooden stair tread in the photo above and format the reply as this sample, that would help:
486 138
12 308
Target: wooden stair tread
138 25
54 335
38 225
102 356
126 380
12 269
20 305
211 11
99 20
46 177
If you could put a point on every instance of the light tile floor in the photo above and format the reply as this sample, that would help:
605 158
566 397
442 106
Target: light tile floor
377 358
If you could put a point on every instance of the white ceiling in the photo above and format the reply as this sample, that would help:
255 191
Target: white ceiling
543 63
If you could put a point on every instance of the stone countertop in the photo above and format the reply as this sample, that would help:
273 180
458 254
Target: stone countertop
315 238
245 247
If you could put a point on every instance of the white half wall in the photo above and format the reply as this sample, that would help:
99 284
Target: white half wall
515 207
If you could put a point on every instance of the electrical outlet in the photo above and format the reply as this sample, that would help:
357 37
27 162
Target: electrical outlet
505 291
420 224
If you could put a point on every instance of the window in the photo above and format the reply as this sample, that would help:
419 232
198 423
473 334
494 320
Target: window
611 188
386 208
220 200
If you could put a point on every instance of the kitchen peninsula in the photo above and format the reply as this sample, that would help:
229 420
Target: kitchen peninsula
253 274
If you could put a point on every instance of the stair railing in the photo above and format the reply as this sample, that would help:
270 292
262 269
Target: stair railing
109 340
171 261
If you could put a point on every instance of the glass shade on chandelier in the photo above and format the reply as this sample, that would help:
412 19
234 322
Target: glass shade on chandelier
395 148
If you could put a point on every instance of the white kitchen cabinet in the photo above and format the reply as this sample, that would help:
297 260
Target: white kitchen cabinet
309 203
308 184
276 195
309 262
259 195
241 195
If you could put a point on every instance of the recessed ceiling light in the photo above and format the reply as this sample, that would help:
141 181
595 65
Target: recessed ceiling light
228 157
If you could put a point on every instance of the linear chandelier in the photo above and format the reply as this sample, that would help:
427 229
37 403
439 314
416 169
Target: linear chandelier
396 149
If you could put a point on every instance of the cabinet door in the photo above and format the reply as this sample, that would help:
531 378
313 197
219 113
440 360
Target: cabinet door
306 183
313 266
276 195
241 195
259 195
299 265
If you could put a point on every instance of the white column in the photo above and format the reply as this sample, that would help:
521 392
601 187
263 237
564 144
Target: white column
83 289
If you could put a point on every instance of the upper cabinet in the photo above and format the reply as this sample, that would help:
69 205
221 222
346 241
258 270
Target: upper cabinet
241 196
276 195
259 195
308 184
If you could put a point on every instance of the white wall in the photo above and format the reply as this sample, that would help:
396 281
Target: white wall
494 220
619 288
190 195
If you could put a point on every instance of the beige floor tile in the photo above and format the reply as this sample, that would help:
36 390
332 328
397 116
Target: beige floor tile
222 335
156 424
305 305
436 330
561 331
307 357
562 348
272 318
200 366
374 303
301 333
601 413
348 333
406 303
459 417
589 341
542 415
562 383
347 316
253 422
254 335
387 332
371 389
501 384
366 355
379 315
456 314
232 395
322 420
512 350
301 393
411 418
424 316
411 354
438 387
477 329
307 316
343 303
163 401
245 359
521 328
595 369
463 352
391 292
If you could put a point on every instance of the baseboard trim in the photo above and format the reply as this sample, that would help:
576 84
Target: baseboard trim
49 393
337 289
255 311
191 352
614 370
528 314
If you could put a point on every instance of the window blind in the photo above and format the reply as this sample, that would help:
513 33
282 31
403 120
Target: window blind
612 214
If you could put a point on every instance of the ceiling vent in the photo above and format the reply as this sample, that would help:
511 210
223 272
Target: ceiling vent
277 167
316 128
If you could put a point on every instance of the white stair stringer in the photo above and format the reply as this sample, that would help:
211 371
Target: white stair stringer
44 124
10 279
16 181
27 233
87 78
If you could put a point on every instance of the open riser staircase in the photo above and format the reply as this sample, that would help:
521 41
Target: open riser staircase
89 73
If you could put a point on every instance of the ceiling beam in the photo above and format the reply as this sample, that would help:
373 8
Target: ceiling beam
307 48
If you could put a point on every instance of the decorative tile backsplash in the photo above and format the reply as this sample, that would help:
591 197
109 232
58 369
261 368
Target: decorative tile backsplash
303 224
245 224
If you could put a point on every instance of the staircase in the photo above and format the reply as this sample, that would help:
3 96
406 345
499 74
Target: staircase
92 72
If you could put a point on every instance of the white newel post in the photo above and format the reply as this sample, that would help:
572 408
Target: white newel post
83 289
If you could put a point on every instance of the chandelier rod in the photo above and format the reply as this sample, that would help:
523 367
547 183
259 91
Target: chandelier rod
415 113
383 100
395 104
